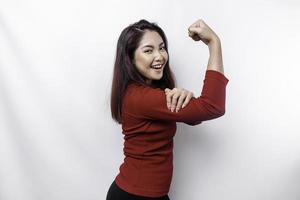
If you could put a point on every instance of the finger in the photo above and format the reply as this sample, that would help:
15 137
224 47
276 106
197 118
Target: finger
187 99
196 37
195 29
180 100
174 101
169 95
194 33
168 98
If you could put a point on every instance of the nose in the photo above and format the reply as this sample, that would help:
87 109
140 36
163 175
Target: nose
159 56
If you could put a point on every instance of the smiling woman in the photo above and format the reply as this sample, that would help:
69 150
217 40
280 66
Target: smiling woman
138 102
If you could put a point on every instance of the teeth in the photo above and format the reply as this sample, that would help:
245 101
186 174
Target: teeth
156 66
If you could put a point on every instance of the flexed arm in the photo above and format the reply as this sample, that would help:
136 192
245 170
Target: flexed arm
197 31
201 31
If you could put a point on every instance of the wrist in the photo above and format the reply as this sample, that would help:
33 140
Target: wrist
214 45
215 40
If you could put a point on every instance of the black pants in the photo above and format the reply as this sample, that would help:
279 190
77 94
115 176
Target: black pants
116 193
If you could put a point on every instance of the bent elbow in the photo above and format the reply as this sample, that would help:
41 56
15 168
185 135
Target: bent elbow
194 123
220 113
216 112
214 109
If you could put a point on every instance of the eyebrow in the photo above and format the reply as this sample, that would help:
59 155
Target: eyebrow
148 45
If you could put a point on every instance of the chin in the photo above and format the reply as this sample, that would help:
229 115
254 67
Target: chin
157 79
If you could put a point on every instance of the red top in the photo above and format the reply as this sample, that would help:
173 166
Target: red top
149 127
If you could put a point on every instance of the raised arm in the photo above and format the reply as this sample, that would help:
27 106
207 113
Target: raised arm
197 31
201 31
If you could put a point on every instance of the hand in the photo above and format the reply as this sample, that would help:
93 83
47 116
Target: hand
201 31
173 95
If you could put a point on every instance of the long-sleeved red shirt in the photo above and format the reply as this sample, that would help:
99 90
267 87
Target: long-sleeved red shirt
149 127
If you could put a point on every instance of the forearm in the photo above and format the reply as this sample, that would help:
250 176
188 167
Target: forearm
215 61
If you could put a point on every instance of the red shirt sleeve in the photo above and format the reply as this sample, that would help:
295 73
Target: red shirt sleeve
150 103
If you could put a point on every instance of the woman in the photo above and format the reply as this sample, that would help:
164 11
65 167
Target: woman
141 81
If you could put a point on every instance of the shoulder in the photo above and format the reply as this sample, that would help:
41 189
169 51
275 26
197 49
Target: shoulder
140 89
137 94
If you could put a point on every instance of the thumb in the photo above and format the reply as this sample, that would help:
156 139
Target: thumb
167 90
193 30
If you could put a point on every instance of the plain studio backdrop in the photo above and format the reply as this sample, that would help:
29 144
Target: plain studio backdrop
59 142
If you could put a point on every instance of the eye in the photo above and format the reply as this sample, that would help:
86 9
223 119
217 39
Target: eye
150 50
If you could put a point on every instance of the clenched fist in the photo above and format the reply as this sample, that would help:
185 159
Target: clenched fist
201 31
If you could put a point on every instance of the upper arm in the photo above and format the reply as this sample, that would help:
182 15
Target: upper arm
150 103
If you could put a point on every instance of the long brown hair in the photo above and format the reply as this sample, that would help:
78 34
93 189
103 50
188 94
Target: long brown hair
124 70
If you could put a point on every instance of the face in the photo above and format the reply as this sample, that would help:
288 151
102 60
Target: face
151 56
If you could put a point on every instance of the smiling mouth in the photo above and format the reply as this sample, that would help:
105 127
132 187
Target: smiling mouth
157 66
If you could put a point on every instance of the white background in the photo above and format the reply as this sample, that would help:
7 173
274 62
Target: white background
59 142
